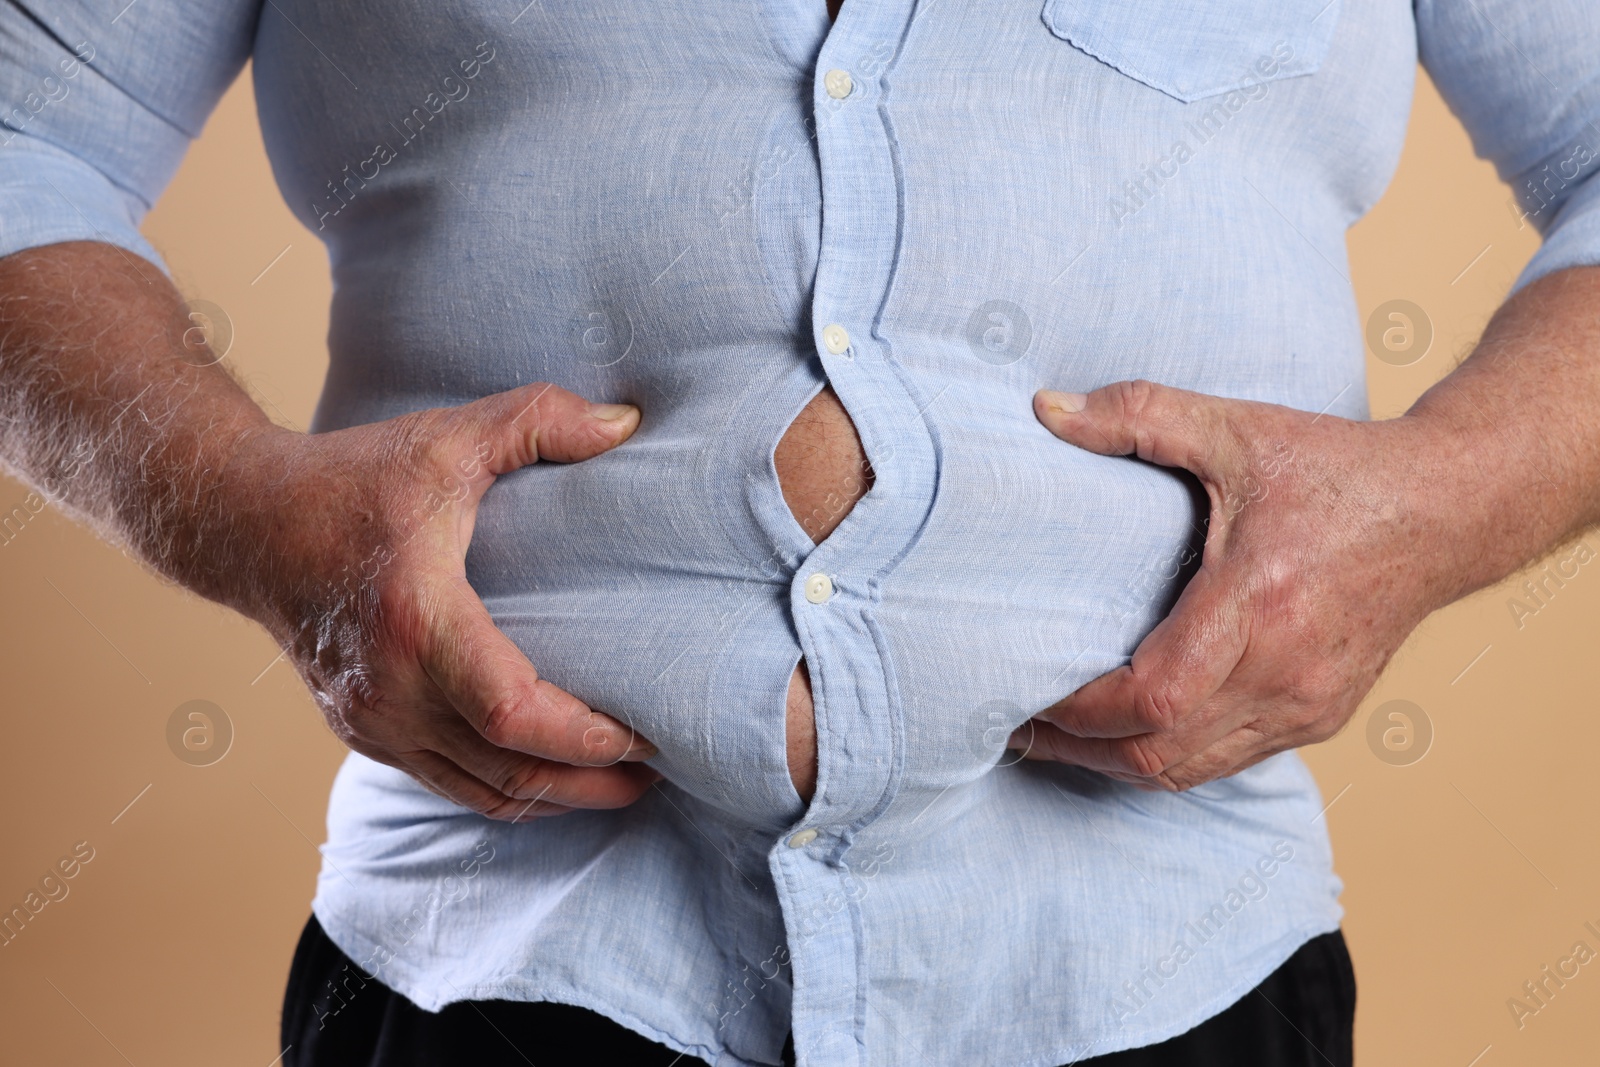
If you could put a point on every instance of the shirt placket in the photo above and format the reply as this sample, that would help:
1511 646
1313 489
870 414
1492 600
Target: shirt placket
836 587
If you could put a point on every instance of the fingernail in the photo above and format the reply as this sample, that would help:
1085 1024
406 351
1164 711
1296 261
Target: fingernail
640 753
611 412
1065 401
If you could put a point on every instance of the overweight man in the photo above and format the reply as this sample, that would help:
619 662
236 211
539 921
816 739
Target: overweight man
823 529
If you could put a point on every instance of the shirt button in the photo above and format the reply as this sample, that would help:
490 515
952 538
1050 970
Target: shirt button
819 587
835 338
838 83
802 839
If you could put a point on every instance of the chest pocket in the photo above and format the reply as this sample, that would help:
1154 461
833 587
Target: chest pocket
1191 49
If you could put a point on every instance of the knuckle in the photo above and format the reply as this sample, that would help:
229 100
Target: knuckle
1158 708
1141 396
514 809
1135 395
524 782
1138 399
501 808
1278 587
480 799
1143 756
1168 783
505 723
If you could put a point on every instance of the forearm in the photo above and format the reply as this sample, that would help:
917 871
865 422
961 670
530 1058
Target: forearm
1513 464
113 416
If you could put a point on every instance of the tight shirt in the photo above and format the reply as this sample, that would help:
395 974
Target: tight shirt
711 209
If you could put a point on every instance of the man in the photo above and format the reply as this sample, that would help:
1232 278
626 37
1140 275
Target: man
741 442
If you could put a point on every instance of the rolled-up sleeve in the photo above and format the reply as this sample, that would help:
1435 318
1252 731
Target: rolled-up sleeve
98 103
1524 78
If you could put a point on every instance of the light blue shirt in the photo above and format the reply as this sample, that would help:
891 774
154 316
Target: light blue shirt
672 204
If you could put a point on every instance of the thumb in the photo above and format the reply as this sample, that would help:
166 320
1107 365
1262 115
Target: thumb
543 421
1160 424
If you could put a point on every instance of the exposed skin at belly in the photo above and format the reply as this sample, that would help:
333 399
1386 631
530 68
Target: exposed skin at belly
822 470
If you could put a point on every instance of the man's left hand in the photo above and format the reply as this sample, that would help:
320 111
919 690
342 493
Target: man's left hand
1324 549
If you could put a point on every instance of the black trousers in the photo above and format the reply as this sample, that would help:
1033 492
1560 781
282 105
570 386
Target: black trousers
1301 1016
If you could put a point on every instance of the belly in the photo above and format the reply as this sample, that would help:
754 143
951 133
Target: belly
822 471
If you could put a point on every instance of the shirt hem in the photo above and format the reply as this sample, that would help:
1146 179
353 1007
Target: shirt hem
356 945
1285 947
399 979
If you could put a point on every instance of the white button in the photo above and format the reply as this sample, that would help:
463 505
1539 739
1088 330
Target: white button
835 338
802 839
819 587
838 83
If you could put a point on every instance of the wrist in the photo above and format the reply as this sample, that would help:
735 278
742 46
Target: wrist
226 544
1466 490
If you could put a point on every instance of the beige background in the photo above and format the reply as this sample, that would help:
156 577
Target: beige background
1466 872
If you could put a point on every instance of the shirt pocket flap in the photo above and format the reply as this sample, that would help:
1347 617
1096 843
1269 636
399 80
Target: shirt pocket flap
1191 49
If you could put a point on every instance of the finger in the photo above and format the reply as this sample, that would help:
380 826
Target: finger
1172 427
1175 670
492 685
1146 757
1237 752
443 777
523 777
542 421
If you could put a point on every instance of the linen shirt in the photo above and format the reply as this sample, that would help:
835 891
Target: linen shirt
710 209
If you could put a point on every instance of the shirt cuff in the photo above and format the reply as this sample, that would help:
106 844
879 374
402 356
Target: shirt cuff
48 195
1573 239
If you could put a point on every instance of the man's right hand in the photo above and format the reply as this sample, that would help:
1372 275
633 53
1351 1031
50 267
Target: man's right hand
348 546
366 586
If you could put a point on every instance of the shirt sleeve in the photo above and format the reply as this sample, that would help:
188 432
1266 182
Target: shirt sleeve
98 103
1524 80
